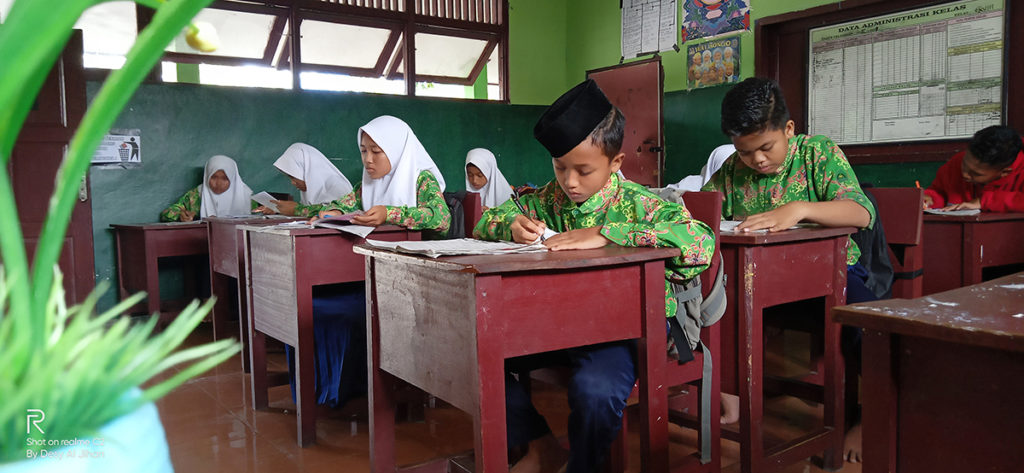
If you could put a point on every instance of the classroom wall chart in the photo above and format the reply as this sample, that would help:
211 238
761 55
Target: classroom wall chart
926 74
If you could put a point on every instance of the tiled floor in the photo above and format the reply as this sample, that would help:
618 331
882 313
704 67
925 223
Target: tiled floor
211 427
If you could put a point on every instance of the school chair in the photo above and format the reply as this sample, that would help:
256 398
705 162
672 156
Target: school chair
899 211
706 207
466 209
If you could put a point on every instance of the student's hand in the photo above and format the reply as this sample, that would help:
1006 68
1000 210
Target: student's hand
928 201
324 213
971 205
186 216
775 220
285 207
581 239
262 210
526 230
372 218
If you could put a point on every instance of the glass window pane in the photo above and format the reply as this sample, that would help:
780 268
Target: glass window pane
245 76
493 67
446 56
342 45
345 83
241 34
108 32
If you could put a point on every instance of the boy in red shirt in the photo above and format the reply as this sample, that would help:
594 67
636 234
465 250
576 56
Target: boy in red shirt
988 176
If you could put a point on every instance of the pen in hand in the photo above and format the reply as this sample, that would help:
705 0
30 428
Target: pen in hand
519 205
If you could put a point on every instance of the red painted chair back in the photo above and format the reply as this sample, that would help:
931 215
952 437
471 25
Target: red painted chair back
899 211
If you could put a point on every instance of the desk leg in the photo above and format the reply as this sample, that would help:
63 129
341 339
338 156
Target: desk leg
153 282
835 368
750 355
243 295
381 389
973 252
490 442
219 284
880 401
305 368
651 354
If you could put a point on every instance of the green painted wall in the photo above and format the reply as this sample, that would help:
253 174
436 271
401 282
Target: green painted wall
537 50
183 125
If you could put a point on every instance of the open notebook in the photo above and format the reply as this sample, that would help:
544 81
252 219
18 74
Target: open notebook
459 246
953 212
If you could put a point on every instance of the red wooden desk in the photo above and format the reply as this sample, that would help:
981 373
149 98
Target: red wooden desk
281 267
447 326
139 248
942 379
767 269
226 261
956 249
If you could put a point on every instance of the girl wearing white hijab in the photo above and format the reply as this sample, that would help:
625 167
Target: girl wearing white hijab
318 181
484 178
401 185
222 194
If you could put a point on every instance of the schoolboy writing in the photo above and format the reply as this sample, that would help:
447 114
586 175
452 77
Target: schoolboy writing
592 207
777 179
222 194
989 175
401 185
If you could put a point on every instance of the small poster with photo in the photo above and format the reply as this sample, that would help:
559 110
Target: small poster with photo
711 18
713 62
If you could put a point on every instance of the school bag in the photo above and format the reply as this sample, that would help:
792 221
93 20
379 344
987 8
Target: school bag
694 311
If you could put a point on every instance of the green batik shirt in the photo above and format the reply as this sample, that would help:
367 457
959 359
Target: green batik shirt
191 201
311 210
628 214
431 211
815 170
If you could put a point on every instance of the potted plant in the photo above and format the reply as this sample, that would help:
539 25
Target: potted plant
69 377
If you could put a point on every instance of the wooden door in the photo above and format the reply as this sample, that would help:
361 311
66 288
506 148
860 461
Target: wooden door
636 88
37 155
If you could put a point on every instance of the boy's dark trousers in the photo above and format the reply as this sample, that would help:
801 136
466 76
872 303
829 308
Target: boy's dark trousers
601 380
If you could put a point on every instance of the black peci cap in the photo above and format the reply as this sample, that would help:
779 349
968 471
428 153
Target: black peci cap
569 121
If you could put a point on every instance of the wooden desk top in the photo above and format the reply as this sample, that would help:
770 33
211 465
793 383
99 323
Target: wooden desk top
487 264
981 217
262 219
306 230
158 225
796 234
990 314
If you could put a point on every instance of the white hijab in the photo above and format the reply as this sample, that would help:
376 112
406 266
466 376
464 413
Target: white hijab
497 190
408 158
324 182
715 161
230 203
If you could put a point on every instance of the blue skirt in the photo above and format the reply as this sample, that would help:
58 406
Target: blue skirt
339 338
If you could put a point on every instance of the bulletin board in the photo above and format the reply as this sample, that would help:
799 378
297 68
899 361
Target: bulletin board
782 52
931 73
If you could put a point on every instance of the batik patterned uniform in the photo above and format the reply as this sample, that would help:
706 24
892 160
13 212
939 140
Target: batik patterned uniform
312 210
431 212
628 214
815 170
191 201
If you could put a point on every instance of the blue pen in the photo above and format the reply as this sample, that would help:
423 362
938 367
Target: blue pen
515 198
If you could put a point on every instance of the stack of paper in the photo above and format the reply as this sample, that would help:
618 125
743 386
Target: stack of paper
459 246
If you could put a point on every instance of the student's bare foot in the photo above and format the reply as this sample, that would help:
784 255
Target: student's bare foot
545 455
852 445
730 408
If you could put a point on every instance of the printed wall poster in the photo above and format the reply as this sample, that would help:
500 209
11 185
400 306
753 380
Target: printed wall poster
710 18
713 62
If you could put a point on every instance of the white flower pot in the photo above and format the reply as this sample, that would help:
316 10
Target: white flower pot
129 444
